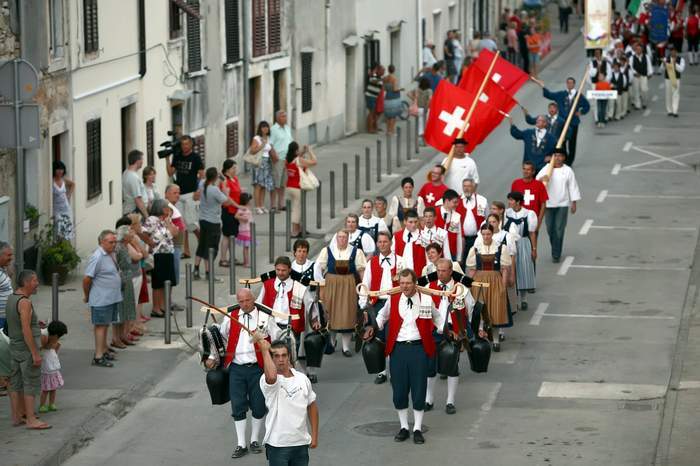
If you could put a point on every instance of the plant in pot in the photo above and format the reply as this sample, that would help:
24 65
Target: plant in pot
31 217
57 255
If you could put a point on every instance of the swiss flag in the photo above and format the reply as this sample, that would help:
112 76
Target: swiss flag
504 73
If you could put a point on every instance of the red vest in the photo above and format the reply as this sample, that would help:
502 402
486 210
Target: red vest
693 25
419 257
453 315
375 282
462 210
425 327
234 334
451 237
269 301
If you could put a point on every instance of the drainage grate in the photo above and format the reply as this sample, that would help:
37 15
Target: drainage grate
175 395
381 429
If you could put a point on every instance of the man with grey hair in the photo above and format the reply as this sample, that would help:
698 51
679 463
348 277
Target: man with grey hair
172 194
537 142
102 290
280 138
473 208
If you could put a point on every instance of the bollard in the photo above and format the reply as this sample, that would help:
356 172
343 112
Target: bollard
398 146
345 185
54 296
232 265
253 252
168 312
272 237
212 276
304 232
408 139
319 205
388 154
417 150
379 161
288 226
357 176
332 194
188 293
368 170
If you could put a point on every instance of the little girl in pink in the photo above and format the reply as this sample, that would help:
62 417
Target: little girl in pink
245 217
51 378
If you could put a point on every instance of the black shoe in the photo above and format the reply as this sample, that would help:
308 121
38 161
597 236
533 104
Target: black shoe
644 107
443 377
418 437
497 347
402 435
556 260
102 362
523 306
675 115
196 276
347 354
380 379
670 114
428 407
239 452
501 337
255 448
312 378
450 409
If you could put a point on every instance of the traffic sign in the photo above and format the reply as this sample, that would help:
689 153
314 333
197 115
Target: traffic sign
28 125
27 78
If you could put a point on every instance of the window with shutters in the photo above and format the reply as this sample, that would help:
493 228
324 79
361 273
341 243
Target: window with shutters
258 14
274 26
94 159
199 147
90 26
175 21
194 39
306 82
149 143
233 31
232 139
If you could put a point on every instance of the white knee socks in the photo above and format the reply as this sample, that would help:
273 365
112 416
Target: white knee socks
346 338
403 418
417 420
240 432
452 383
430 391
256 428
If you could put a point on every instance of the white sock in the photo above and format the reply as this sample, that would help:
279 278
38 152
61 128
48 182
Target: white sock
429 391
256 428
403 418
382 373
386 371
240 432
346 338
417 420
501 331
310 370
452 383
523 296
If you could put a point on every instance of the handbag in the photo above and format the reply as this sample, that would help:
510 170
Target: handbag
253 159
413 108
307 180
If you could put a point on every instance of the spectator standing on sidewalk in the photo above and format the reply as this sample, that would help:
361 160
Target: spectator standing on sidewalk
372 91
62 189
172 195
161 230
564 12
280 138
534 45
5 292
262 174
188 168
422 96
25 364
149 184
291 405
133 190
129 254
512 43
295 163
429 55
229 223
392 100
103 293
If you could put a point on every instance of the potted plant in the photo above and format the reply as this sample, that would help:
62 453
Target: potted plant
57 255
31 217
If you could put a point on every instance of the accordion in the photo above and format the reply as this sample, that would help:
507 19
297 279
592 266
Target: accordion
217 378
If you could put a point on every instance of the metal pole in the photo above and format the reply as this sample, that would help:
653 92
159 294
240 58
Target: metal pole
332 194
19 181
408 139
168 312
388 154
272 237
288 226
304 210
54 296
253 247
357 176
232 265
379 161
319 205
212 295
188 292
345 185
417 150
398 146
368 170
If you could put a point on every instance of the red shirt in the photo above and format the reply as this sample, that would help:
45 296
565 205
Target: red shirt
431 193
534 193
234 192
293 175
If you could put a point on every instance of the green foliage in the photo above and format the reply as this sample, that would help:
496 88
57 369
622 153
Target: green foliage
56 251
31 213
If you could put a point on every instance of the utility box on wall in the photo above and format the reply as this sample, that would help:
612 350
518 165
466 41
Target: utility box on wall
4 218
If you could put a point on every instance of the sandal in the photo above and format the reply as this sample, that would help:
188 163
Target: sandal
102 362
119 346
40 426
129 341
240 263
224 263
136 333
160 314
109 356
185 256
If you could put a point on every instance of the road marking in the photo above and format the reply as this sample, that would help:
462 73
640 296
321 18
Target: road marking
601 391
655 97
539 313
565 265
628 146
661 158
601 196
586 227
625 267
637 128
504 357
485 409
616 169
608 316
689 384
647 112
635 227
651 196
659 170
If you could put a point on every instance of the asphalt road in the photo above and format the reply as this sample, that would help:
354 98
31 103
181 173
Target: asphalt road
583 375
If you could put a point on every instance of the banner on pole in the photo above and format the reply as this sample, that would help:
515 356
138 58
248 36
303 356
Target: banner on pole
597 25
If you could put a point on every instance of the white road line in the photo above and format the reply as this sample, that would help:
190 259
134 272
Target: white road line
647 112
616 169
539 313
637 128
650 196
565 265
661 158
607 316
601 196
485 409
624 267
627 147
688 384
586 227
655 97
601 391
659 170
634 227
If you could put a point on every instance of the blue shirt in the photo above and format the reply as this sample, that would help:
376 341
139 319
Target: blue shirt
106 286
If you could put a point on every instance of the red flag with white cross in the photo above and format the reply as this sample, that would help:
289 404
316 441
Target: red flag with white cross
504 73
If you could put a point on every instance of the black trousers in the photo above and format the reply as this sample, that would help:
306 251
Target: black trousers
409 371
571 149
244 390
468 244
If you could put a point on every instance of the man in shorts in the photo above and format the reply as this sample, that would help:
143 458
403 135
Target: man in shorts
280 137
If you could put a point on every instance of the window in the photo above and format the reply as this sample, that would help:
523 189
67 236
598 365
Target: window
274 26
92 43
233 42
94 159
56 39
149 143
306 81
194 39
175 21
258 14
232 139
199 146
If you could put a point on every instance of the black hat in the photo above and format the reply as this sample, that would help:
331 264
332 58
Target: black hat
560 150
460 141
517 196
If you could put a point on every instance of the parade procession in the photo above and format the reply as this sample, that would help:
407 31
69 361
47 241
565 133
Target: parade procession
459 234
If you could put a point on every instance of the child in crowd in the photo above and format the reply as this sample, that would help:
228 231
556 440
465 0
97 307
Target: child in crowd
244 216
602 104
51 378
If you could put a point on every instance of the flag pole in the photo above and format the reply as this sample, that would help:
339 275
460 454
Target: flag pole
565 129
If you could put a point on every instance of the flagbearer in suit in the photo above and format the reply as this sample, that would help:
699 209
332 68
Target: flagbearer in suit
411 317
555 122
673 66
537 142
244 362
379 275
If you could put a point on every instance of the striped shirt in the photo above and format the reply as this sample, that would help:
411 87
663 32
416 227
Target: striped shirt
5 290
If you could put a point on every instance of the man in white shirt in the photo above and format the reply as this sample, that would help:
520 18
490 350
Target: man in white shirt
428 57
133 190
291 404
563 193
431 233
369 223
473 208
463 166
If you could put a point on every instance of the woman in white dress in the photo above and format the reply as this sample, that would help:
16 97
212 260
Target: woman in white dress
62 189
262 174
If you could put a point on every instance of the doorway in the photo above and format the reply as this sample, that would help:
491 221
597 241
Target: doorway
254 99
395 50
350 92
279 93
128 132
